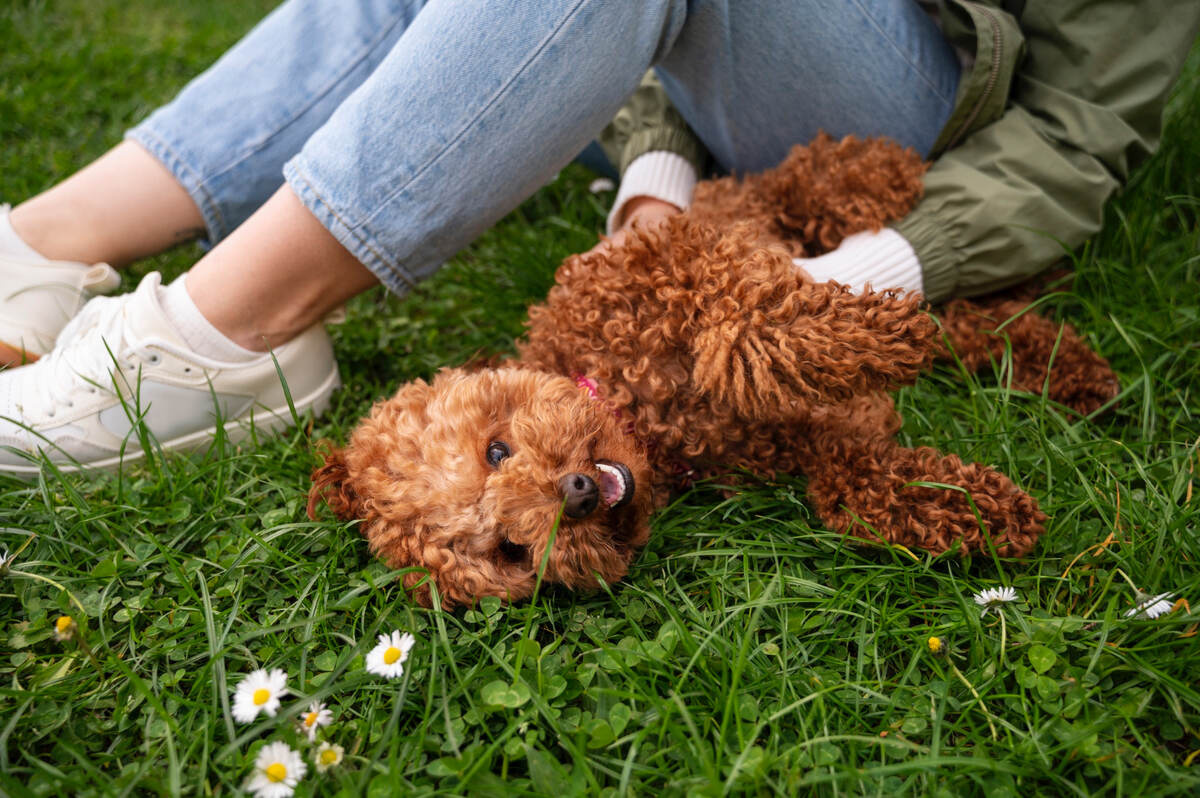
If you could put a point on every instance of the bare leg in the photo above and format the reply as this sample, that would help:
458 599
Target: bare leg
278 274
123 206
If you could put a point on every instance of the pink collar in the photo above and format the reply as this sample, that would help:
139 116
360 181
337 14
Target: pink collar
593 391
588 384
683 473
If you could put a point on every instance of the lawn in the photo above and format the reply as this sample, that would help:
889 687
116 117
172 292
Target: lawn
749 651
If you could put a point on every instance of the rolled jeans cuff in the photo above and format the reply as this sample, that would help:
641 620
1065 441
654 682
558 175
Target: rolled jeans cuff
187 176
368 251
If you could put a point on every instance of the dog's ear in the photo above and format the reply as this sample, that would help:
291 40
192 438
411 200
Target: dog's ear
331 484
418 585
460 580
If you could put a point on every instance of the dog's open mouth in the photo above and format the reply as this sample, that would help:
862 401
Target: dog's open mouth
616 483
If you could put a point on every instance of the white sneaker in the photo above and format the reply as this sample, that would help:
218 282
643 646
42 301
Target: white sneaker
38 298
120 360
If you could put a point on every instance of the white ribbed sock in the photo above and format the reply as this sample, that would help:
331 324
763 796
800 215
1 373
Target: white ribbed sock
13 244
197 331
884 260
659 174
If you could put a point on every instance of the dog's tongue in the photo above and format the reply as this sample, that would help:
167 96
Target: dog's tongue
616 483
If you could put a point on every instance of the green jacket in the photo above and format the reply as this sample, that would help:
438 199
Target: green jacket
1064 100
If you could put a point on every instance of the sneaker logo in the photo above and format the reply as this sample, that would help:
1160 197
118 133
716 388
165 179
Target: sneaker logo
171 411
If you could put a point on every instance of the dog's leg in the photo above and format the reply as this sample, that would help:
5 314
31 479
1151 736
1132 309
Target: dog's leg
978 332
815 344
869 486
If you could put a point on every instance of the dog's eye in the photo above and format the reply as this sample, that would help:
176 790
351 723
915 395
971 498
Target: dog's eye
497 451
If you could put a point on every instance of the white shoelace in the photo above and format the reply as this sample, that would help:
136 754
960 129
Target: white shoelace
85 354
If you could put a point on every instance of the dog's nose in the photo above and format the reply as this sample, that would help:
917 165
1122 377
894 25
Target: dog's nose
581 494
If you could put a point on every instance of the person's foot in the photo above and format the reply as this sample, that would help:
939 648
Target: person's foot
39 297
119 361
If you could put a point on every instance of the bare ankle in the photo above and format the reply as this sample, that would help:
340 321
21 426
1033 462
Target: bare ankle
121 207
56 233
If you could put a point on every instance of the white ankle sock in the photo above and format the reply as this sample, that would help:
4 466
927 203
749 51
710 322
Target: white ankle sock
197 331
13 244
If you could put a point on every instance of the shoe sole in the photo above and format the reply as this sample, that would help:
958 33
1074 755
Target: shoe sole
236 431
11 356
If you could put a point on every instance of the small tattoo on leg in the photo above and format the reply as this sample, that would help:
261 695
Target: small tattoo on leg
188 234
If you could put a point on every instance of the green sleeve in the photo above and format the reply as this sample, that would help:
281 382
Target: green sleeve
1084 111
647 123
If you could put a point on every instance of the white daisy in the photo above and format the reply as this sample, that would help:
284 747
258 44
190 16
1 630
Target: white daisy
316 717
5 561
277 771
387 658
1151 606
328 755
994 597
259 692
64 628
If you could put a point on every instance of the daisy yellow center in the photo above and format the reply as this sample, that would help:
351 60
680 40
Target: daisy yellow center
261 696
392 654
63 623
310 719
276 771
329 757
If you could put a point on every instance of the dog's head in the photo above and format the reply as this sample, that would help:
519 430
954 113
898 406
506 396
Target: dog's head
474 477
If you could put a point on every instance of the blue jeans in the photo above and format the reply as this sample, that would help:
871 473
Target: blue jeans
408 127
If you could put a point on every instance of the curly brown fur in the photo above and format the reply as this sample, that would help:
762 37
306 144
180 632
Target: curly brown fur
707 351
710 342
820 194
863 482
1045 355
416 471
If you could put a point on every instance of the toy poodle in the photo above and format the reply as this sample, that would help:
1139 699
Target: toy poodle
691 350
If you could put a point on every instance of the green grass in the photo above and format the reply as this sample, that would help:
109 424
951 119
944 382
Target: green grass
749 651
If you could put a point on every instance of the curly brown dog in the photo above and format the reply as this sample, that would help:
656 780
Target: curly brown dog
694 349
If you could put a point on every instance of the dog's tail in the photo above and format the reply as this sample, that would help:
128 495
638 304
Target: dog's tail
331 484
